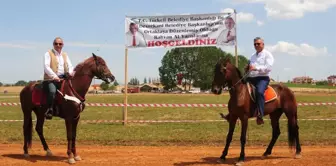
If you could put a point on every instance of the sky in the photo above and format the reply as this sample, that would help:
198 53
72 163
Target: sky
301 34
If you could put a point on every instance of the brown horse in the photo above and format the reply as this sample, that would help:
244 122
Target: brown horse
241 105
69 101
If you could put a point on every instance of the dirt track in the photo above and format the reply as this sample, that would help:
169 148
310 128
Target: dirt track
11 154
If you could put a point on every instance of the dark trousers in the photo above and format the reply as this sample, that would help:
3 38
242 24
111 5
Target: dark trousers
261 84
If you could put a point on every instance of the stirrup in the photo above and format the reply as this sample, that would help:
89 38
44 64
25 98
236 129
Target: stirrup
49 111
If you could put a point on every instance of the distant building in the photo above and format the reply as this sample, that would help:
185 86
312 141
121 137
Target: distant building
302 80
332 79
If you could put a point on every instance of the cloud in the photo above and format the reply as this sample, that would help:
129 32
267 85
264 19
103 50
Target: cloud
303 49
93 45
287 69
33 45
292 9
12 45
260 23
243 17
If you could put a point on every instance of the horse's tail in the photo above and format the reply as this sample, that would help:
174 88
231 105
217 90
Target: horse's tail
28 129
27 117
289 106
293 130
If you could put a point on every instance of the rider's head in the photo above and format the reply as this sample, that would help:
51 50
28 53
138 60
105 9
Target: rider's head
258 44
58 44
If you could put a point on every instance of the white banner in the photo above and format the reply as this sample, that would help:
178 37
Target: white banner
180 30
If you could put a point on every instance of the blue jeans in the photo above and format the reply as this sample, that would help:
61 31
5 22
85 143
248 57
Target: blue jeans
51 88
261 84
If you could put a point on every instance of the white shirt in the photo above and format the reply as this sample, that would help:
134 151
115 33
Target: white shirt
263 62
222 37
139 39
49 71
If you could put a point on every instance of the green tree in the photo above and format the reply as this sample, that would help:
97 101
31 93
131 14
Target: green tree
112 87
149 80
104 86
115 83
134 81
1 84
145 80
196 64
21 83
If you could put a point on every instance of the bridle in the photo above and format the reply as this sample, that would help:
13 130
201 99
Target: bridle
99 73
233 86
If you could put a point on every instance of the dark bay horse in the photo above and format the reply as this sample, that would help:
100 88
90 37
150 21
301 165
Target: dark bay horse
242 106
70 101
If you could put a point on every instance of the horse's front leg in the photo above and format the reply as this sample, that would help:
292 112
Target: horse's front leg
74 133
244 121
232 125
68 124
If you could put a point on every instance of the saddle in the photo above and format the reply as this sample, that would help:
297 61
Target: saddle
39 96
269 94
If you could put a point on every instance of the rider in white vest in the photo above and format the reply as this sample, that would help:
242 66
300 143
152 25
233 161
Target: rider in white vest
56 65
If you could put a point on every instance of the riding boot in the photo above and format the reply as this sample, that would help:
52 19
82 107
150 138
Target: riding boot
260 120
260 117
49 113
259 114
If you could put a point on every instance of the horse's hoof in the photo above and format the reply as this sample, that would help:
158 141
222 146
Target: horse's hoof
220 161
298 156
240 163
49 153
78 158
264 156
72 161
26 155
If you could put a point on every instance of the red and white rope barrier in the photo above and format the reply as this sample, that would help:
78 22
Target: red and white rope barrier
174 105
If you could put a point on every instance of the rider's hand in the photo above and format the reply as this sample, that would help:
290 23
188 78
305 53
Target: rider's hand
252 68
57 79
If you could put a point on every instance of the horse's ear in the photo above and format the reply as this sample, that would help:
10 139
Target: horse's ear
227 59
94 56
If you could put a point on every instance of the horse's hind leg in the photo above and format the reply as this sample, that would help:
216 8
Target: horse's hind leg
39 130
275 116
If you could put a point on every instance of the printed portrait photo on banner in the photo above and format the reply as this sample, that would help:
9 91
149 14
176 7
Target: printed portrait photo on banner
134 38
228 35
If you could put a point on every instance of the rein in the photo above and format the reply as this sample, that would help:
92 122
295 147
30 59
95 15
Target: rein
238 81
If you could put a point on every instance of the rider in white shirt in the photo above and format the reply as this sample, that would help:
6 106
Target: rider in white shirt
260 68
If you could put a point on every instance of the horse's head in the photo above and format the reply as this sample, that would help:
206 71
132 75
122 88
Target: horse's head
222 75
100 69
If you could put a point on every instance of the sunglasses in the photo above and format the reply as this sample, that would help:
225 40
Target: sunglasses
60 44
257 44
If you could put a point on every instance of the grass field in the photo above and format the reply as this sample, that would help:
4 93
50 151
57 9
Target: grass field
208 133
309 86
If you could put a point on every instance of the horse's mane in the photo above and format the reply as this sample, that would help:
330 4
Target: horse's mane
240 75
81 64
221 62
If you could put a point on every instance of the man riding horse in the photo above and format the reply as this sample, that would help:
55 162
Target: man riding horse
259 69
57 65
